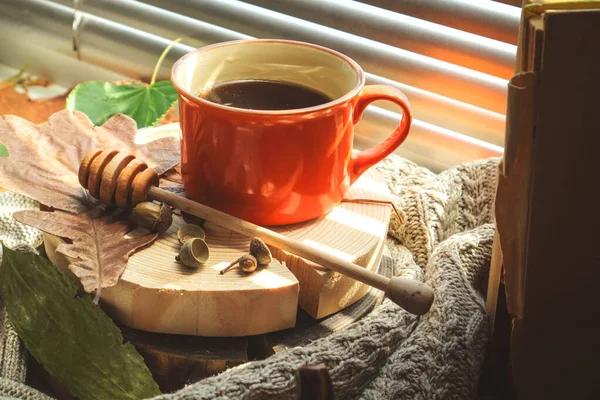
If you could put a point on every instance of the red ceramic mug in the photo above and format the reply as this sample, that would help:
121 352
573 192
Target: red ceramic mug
283 166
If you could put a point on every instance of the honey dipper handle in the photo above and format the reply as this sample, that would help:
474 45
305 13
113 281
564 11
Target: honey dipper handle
415 297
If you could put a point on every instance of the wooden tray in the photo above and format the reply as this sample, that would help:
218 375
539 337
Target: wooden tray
156 294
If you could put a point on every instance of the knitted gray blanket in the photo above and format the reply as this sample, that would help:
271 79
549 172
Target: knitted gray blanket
389 354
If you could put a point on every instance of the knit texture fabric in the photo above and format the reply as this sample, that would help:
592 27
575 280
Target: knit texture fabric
13 357
446 241
12 232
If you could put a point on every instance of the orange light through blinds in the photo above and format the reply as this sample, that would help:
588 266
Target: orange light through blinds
452 58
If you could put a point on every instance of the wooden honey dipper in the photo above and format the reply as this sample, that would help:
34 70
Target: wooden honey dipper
118 178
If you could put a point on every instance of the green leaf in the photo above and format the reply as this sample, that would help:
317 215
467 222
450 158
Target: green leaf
146 104
3 151
73 339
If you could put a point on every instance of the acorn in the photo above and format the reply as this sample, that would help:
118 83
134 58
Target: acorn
259 249
247 263
156 218
259 255
190 231
193 253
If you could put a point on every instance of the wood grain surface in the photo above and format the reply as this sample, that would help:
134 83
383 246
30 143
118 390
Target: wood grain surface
157 294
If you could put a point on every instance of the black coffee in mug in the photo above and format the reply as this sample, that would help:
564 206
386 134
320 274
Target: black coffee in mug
264 95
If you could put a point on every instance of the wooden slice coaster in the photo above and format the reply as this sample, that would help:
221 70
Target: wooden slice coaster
157 294
353 231
179 360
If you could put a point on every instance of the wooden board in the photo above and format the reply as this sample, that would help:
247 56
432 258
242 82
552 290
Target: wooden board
156 294
176 361
353 231
308 329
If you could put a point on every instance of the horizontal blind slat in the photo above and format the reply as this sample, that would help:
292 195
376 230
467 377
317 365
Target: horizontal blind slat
119 47
105 43
428 145
482 17
416 35
427 106
413 69
447 113
158 21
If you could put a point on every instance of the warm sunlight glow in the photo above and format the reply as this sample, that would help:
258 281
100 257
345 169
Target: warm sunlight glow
146 135
219 266
269 279
354 220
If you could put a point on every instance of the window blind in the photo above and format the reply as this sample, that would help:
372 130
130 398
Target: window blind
453 65
485 18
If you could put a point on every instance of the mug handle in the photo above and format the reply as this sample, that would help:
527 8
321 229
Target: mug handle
362 161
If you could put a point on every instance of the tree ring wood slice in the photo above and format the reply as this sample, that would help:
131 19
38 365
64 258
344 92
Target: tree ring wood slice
354 231
110 176
157 294
179 360
308 329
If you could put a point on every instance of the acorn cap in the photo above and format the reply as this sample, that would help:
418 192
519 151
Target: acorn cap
259 249
189 231
193 253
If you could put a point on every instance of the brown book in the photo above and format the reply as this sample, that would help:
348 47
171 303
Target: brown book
548 203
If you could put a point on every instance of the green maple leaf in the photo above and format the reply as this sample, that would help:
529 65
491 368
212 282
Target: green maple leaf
146 104
3 151
73 339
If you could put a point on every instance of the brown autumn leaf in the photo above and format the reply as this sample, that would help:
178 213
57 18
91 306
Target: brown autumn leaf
44 160
43 165
172 177
100 250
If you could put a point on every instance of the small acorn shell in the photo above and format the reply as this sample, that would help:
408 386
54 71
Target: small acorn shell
259 249
190 231
193 253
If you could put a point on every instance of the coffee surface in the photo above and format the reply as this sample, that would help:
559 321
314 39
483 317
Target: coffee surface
264 95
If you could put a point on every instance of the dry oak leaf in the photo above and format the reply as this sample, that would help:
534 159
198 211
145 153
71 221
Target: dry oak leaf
99 247
44 160
43 164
